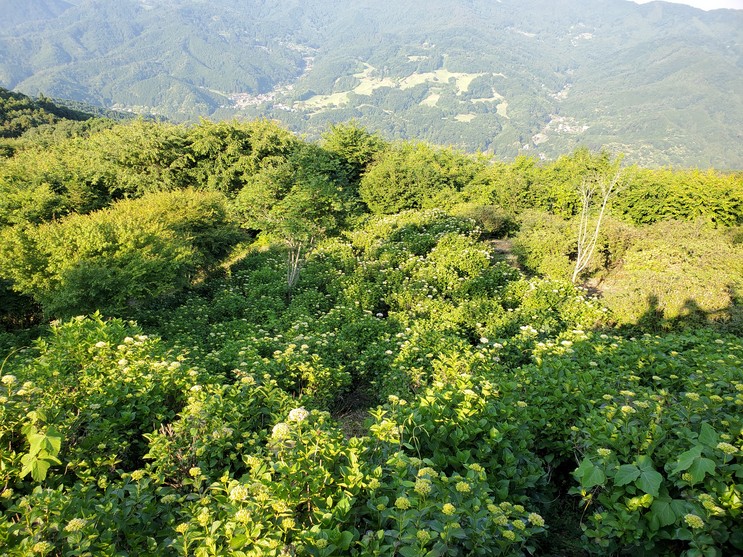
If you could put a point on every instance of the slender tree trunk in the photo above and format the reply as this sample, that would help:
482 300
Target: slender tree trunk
586 238
295 263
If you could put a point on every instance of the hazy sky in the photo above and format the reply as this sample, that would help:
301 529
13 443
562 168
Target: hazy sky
705 4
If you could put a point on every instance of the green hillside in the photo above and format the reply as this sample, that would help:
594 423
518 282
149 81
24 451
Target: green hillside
19 113
657 82
227 339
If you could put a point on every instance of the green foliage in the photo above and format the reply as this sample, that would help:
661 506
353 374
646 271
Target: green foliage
216 426
121 516
460 421
227 155
123 256
411 175
90 391
655 195
416 510
42 453
662 464
677 274
495 222
19 113
301 198
545 243
298 494
356 147
82 174
214 437
135 158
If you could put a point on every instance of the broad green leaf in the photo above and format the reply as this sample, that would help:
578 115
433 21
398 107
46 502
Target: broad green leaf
701 467
39 468
345 542
36 443
662 512
644 462
589 474
407 551
627 473
55 441
649 481
683 534
708 436
344 505
238 541
686 459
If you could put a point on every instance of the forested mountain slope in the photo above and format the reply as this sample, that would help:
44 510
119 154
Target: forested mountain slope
659 82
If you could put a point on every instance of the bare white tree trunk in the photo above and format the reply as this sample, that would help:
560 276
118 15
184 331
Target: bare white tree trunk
295 263
587 238
297 252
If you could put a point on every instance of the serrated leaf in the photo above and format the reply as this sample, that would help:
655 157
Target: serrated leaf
700 468
662 512
708 436
589 474
627 473
649 481
686 459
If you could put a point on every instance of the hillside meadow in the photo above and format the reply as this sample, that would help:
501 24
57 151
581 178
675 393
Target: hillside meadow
223 339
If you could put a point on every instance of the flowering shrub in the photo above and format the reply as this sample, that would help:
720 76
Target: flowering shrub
129 513
101 385
662 467
214 438
218 425
414 509
460 420
296 496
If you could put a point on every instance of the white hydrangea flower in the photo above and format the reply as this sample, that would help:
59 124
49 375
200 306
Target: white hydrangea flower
298 415
280 431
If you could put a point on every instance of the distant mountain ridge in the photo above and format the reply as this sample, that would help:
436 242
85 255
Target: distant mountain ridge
660 82
15 13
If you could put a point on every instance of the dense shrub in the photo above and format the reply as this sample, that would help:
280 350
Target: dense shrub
545 244
415 509
119 257
657 195
661 465
676 274
407 176
96 387
501 395
460 420
495 222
